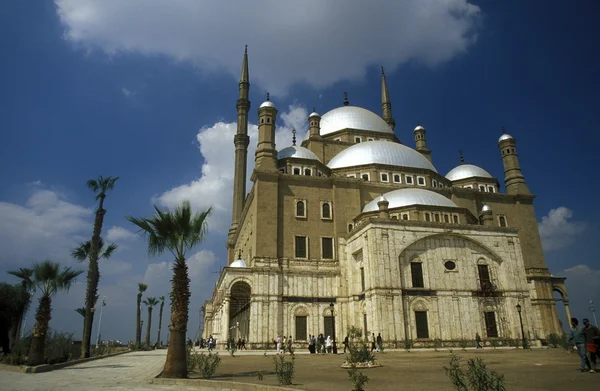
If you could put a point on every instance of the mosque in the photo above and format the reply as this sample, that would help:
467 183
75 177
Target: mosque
355 228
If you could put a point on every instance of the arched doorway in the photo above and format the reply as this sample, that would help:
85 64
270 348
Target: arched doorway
559 290
239 311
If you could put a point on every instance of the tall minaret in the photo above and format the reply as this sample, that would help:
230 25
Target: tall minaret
240 141
265 157
386 104
514 181
420 141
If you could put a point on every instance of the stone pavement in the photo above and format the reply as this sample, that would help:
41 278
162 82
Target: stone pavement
129 371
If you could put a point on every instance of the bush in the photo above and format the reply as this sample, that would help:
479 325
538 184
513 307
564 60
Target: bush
358 379
437 343
463 343
477 378
207 364
556 340
408 344
232 348
284 369
494 342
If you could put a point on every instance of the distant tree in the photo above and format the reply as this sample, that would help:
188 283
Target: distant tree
177 231
25 275
138 326
160 313
13 298
150 302
99 186
49 279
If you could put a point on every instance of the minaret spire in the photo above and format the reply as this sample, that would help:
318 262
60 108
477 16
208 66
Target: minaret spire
462 158
240 140
386 104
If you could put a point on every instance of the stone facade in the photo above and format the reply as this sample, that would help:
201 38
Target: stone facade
422 272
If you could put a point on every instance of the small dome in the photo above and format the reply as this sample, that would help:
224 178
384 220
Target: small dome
238 263
405 197
467 171
267 103
314 114
505 136
353 117
297 152
380 198
486 209
419 127
380 152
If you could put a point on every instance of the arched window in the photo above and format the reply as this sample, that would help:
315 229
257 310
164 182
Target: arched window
300 209
326 210
502 221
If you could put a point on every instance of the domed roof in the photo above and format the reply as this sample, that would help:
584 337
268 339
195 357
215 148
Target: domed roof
505 136
297 152
410 196
238 263
380 152
314 114
419 127
352 117
267 103
486 209
467 171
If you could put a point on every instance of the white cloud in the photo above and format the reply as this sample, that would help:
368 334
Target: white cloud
557 230
117 234
582 285
215 185
111 267
46 227
288 40
127 92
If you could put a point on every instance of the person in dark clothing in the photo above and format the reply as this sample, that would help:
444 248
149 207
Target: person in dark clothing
379 343
373 341
478 341
592 341
345 343
577 337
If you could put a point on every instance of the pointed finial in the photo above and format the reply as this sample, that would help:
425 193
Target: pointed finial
240 251
503 130
462 158
346 101
246 50
314 109
294 137
382 72
268 97
418 123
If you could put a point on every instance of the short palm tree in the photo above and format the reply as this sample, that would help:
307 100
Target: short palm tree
138 326
49 279
176 230
162 305
25 274
99 186
150 302
81 254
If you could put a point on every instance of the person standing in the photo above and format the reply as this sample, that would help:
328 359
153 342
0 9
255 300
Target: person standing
592 340
321 343
576 335
379 343
328 344
290 343
373 347
345 343
279 345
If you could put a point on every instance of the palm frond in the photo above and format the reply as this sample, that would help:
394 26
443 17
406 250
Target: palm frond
82 252
93 185
80 311
142 287
25 274
109 250
162 298
150 301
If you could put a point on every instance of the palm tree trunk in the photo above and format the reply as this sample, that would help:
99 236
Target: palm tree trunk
149 326
92 280
138 324
160 323
38 341
176 365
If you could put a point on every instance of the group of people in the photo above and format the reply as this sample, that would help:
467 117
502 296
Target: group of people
587 342
281 344
319 344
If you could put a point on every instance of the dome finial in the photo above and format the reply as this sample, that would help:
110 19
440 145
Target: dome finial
240 251
346 101
246 49
418 123
462 158
294 137
268 97
382 72
503 129
314 109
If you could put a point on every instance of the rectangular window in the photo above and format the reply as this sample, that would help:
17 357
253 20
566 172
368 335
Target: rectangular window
357 140
301 328
421 181
326 210
416 271
327 248
365 176
301 246
307 172
484 276
481 188
397 178
433 183
491 189
422 327
404 216
384 177
446 219
427 217
490 325
300 208
362 278
437 218
296 171
409 180
502 221
455 218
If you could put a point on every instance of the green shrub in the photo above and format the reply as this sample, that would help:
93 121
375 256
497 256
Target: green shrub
477 377
463 343
207 364
556 340
437 343
358 379
284 369
232 348
260 375
494 342
408 344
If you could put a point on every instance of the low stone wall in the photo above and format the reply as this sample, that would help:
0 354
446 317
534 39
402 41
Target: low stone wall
216 385
51 367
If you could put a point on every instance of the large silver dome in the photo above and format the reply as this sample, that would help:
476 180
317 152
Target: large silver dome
297 152
352 117
467 171
380 152
409 196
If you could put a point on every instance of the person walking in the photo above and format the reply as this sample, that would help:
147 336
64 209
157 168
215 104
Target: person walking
373 347
576 335
329 344
345 343
279 345
478 341
321 345
379 343
290 343
592 340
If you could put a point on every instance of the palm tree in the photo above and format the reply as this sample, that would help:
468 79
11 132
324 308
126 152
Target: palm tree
176 230
99 186
81 254
25 275
150 302
162 305
48 278
138 325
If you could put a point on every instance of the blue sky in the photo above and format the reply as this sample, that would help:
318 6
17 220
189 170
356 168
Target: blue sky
147 93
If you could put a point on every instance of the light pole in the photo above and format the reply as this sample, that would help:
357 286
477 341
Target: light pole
100 321
331 306
521 322
593 311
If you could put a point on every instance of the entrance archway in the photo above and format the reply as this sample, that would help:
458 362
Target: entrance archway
239 311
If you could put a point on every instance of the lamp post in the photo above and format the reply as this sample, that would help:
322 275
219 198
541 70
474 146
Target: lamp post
521 322
331 306
593 311
100 321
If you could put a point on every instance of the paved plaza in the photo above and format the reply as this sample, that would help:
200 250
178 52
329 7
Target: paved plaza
537 369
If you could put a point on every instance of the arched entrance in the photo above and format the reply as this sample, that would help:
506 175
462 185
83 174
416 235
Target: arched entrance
558 286
239 311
